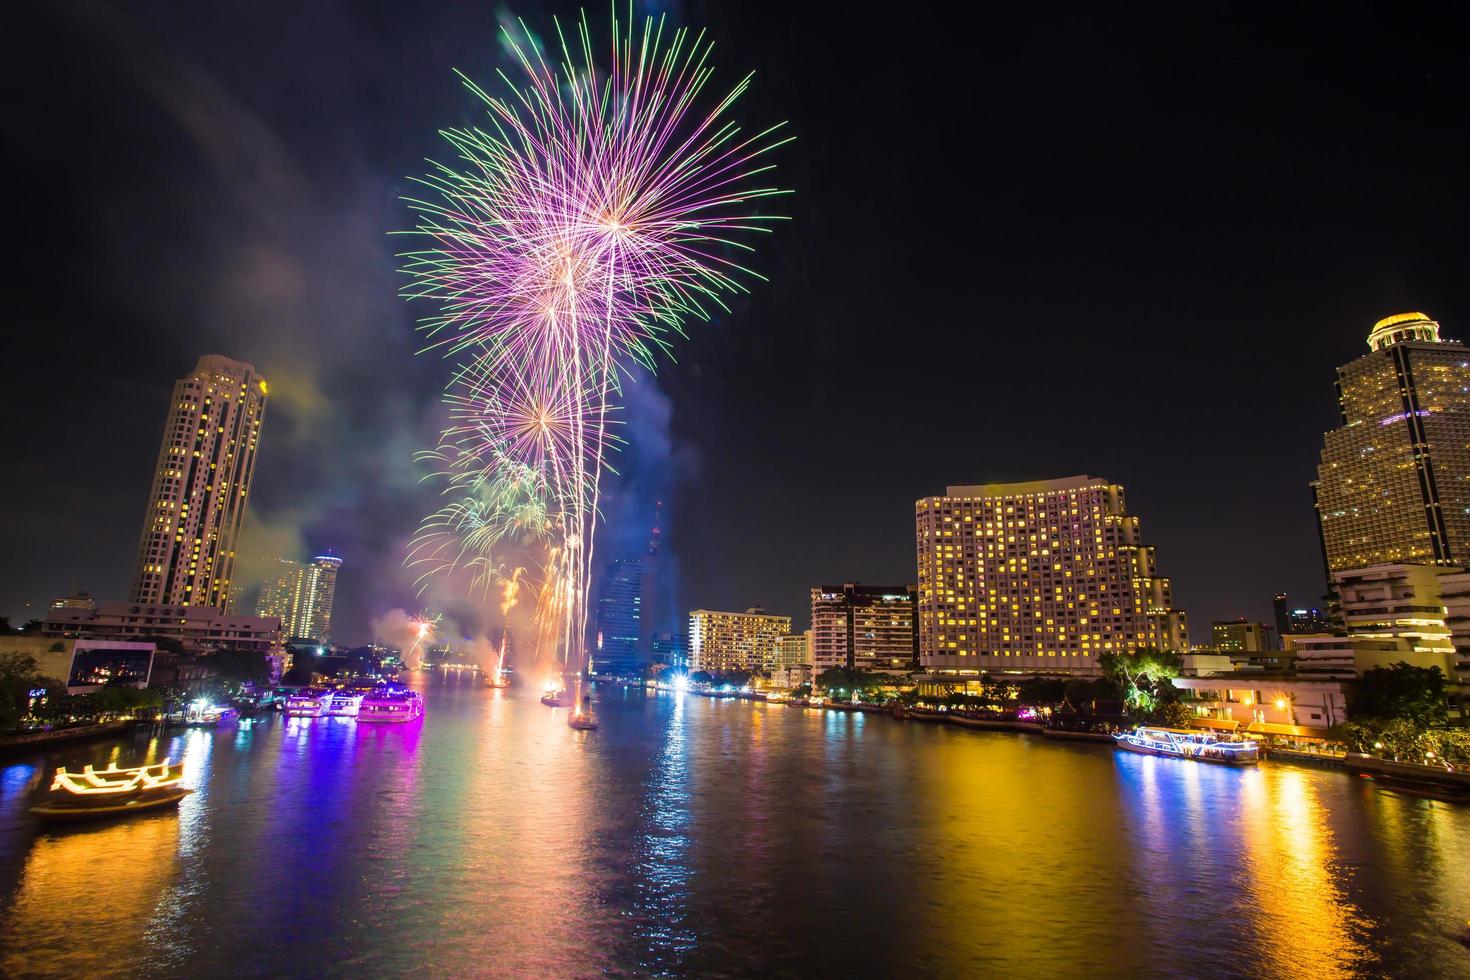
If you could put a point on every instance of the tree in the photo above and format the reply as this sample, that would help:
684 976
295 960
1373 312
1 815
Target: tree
18 677
700 677
238 666
1041 691
1414 694
1143 676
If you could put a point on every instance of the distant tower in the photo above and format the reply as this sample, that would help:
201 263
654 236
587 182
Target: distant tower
319 591
301 596
1394 481
186 555
648 589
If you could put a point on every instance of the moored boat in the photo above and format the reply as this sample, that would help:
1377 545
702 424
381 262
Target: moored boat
1182 743
112 791
308 703
391 703
345 704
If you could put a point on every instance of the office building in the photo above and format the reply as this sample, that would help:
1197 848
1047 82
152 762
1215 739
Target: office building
301 597
721 641
864 627
619 620
1394 479
1294 621
186 555
1241 636
1038 577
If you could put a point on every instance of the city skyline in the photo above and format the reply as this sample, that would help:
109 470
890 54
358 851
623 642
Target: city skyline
280 292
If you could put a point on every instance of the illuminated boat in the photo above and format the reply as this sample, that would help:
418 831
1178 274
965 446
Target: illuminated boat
391 703
553 697
582 722
345 704
308 703
112 791
1181 743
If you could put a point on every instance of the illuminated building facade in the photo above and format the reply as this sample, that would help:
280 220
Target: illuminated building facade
619 619
794 650
186 555
1394 479
864 627
1037 577
734 641
1241 636
301 597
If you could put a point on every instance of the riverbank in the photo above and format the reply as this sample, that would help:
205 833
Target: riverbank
57 736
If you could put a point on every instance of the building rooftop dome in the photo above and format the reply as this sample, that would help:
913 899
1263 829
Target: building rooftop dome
1401 327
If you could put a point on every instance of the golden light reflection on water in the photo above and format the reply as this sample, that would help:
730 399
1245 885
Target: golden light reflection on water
86 897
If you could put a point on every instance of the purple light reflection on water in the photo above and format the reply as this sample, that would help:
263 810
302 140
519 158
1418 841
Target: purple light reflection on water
706 837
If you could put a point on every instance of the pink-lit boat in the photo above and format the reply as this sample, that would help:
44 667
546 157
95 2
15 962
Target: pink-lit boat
391 703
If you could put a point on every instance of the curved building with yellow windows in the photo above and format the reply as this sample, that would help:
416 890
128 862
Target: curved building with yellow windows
1394 480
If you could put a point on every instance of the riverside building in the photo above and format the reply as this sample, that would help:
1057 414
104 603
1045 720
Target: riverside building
864 627
1038 577
734 641
1394 479
186 554
301 597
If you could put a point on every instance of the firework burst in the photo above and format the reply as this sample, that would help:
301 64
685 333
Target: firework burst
601 209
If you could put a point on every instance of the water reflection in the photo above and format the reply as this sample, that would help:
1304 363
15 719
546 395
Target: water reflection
699 837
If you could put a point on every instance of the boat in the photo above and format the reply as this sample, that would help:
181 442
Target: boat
1182 743
552 697
391 703
582 722
111 792
308 703
345 704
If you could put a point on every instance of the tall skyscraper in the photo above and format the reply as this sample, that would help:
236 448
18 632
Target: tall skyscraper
620 620
1037 577
186 555
735 641
1297 621
301 597
1394 481
864 627
648 609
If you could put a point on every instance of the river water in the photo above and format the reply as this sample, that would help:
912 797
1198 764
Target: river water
722 838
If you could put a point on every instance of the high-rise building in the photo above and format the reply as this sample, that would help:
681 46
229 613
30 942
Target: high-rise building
186 555
319 593
648 609
864 627
1037 577
734 641
1394 480
794 650
1241 636
1300 621
619 620
301 597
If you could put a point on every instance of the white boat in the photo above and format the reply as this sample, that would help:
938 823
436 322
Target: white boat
391 703
1182 743
308 703
345 704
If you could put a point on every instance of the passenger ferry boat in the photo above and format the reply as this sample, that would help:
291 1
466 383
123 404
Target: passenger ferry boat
112 791
391 703
308 703
1188 744
345 704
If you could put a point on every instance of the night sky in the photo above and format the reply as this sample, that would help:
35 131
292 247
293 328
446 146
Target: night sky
1025 245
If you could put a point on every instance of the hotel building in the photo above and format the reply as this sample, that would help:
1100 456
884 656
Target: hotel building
301 597
199 629
1394 479
1038 577
186 555
734 641
864 627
